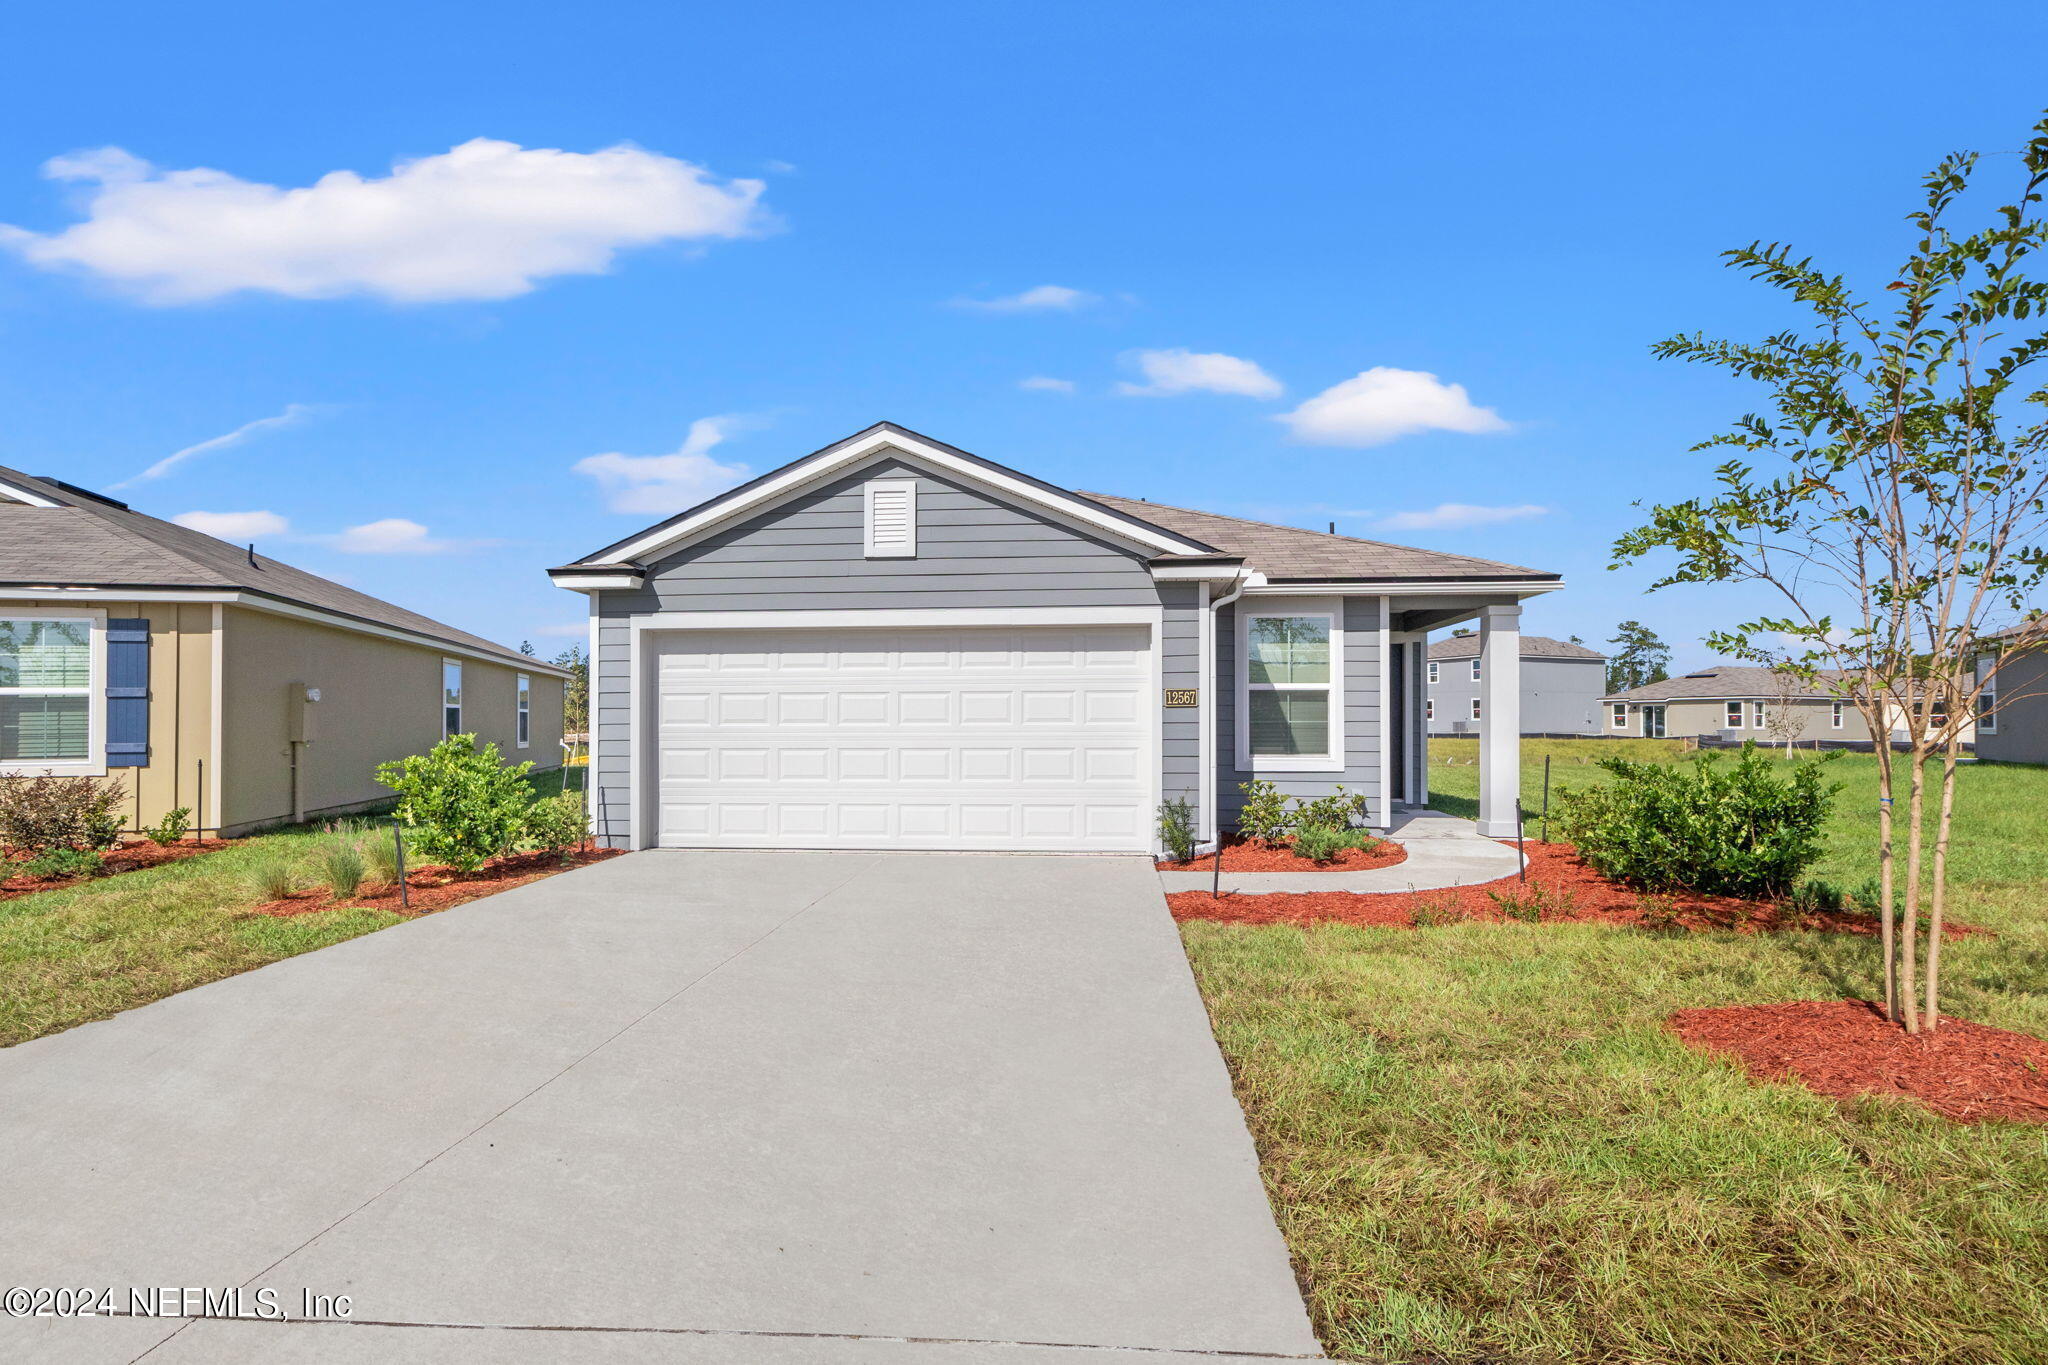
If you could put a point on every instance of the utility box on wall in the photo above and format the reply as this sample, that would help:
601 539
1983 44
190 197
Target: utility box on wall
300 702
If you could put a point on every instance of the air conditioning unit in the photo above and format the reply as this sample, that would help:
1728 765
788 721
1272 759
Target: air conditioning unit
1729 736
1464 727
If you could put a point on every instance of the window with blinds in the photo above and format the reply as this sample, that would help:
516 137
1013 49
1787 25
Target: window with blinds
891 518
45 690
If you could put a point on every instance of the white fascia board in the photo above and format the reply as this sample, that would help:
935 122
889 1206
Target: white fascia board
25 594
831 462
1422 587
17 493
1197 573
906 618
597 582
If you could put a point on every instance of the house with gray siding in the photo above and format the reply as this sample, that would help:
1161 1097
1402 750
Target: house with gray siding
2012 724
1562 684
891 643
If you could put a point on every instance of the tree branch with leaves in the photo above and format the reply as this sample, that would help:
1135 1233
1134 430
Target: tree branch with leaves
1894 494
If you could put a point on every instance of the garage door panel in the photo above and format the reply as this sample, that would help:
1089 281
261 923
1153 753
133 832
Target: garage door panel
972 738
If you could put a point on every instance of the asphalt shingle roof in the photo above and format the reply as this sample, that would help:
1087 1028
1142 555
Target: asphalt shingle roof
1289 553
1726 682
89 543
1533 647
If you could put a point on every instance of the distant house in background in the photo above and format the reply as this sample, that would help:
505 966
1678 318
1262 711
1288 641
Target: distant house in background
2017 730
1738 702
1561 687
204 675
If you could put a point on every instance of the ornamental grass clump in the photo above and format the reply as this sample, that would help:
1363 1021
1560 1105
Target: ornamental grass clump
1722 829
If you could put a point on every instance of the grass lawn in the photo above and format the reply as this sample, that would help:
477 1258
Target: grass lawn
101 947
1483 1146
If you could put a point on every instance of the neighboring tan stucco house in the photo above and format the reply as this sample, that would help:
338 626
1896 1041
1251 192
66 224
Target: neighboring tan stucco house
1561 686
893 644
203 675
1732 701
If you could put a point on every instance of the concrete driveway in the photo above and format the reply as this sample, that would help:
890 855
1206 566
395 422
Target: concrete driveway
699 1107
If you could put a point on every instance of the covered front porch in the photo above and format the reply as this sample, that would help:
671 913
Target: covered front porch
1498 708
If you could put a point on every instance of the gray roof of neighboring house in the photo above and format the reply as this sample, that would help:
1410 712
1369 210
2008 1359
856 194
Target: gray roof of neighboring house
1725 682
1287 553
1533 647
93 542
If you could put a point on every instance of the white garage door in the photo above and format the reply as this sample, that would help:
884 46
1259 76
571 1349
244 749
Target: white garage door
1024 738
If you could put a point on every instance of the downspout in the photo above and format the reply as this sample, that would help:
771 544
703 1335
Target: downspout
1214 718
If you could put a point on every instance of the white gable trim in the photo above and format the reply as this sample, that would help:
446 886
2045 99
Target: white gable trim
828 463
14 492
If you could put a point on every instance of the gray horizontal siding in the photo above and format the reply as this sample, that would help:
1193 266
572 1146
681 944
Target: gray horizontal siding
1559 696
1180 728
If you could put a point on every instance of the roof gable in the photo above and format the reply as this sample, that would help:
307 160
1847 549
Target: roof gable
879 440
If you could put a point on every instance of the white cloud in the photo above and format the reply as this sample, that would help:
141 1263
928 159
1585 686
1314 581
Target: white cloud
1383 404
1039 383
239 527
391 536
1456 516
485 220
1183 371
656 485
1046 298
292 414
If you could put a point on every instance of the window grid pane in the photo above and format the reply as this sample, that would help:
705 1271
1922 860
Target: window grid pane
1289 649
45 729
1289 724
45 654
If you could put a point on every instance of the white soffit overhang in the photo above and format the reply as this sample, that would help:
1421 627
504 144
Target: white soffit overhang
826 463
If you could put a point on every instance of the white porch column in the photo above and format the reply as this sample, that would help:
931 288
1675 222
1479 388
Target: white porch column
1500 718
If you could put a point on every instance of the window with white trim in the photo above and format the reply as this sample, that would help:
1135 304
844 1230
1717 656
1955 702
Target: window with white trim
1475 668
1429 708
1475 708
1432 673
1290 679
1835 716
1620 710
1735 715
890 518
1756 715
47 691
451 698
524 726
1987 716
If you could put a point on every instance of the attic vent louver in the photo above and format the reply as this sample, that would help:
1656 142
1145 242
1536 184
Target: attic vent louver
891 518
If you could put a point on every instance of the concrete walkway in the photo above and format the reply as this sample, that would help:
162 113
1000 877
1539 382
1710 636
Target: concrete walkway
768 1108
1442 851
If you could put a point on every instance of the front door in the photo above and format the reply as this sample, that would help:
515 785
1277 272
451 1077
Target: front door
1653 722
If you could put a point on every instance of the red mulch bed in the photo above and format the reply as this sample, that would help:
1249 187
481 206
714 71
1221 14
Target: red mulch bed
1575 895
437 888
124 858
1840 1048
1257 856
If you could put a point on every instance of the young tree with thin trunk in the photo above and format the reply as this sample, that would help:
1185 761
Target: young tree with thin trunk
1784 716
1895 496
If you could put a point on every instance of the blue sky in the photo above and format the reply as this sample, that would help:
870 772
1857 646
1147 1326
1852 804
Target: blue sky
729 235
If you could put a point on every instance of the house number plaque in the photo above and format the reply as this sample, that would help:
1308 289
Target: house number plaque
1183 696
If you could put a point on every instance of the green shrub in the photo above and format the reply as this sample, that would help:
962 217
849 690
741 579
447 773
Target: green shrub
557 824
1339 810
1532 904
38 814
1435 914
1321 843
1263 817
58 864
464 804
1177 828
1816 897
1730 830
173 827
343 866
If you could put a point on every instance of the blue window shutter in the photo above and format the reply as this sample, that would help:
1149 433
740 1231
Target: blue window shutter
127 694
